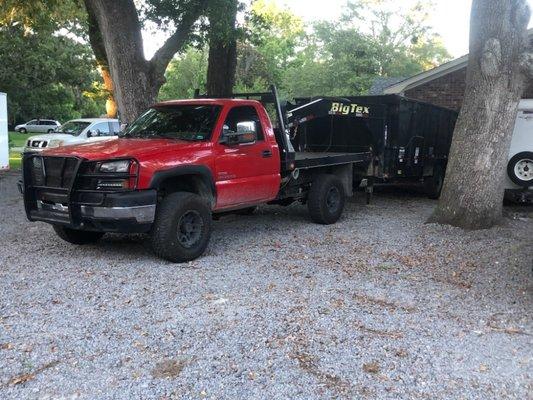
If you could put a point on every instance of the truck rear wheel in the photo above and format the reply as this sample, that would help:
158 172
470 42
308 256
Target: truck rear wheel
326 199
520 169
182 227
75 236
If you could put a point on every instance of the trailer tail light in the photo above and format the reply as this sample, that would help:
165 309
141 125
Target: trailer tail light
401 154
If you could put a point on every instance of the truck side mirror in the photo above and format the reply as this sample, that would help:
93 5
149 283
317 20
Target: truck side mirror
246 133
236 138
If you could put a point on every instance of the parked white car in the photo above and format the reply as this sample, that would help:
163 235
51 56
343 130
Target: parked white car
519 179
77 131
38 125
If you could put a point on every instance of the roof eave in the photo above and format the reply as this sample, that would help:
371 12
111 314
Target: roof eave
427 76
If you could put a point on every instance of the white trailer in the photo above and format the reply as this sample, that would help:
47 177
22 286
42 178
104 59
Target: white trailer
4 139
519 177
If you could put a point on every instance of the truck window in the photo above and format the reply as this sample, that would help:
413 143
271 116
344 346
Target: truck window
103 128
183 122
246 118
115 127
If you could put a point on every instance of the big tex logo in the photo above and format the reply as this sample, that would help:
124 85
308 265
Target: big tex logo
345 109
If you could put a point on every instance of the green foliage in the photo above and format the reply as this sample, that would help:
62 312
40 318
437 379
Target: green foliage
46 75
274 35
374 38
185 73
42 14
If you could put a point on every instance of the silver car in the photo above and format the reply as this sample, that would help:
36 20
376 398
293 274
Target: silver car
38 125
77 131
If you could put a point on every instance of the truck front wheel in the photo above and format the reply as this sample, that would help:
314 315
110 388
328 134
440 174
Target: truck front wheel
326 199
182 227
75 236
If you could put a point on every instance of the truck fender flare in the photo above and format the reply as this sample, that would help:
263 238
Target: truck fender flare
198 170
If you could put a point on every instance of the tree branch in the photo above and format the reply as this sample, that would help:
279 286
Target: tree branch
175 43
95 37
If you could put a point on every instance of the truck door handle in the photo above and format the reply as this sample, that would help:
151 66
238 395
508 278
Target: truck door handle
266 153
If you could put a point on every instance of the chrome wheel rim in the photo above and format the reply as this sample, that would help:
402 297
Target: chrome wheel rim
523 170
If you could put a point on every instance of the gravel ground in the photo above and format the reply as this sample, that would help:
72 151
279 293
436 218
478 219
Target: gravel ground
378 306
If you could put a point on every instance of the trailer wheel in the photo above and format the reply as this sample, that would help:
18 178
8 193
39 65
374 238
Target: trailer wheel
75 236
434 183
182 227
326 199
520 169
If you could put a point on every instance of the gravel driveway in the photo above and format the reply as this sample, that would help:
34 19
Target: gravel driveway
378 306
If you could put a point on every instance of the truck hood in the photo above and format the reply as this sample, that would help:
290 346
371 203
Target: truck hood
125 148
54 136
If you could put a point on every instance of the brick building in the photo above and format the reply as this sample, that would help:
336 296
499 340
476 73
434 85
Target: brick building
443 85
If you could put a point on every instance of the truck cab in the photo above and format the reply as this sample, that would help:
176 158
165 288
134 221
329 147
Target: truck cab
177 165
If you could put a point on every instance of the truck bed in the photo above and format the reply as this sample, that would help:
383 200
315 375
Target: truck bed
306 160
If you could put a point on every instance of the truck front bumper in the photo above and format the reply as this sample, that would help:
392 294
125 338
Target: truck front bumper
121 212
141 214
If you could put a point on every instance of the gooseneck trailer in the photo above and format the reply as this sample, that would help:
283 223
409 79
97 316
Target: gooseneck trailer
409 140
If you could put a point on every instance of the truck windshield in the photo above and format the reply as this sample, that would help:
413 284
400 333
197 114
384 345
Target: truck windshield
184 122
73 127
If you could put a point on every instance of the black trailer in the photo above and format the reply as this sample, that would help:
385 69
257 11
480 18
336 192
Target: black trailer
409 140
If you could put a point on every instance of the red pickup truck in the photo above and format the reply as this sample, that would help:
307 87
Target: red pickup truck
178 165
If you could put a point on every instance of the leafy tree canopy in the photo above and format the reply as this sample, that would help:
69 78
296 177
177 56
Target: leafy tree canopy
45 73
373 38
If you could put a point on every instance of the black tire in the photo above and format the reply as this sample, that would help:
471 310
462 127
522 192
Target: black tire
182 227
77 237
326 199
520 169
23 130
50 131
246 211
434 183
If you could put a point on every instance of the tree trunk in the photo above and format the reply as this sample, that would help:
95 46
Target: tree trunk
119 25
222 48
97 45
498 66
136 80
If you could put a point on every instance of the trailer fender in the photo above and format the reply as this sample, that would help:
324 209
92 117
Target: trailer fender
345 174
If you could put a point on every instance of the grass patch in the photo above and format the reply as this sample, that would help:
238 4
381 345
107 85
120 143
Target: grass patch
16 140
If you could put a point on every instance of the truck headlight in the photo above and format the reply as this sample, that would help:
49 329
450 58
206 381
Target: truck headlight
55 143
122 175
115 166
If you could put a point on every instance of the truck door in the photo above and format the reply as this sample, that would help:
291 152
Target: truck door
246 173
